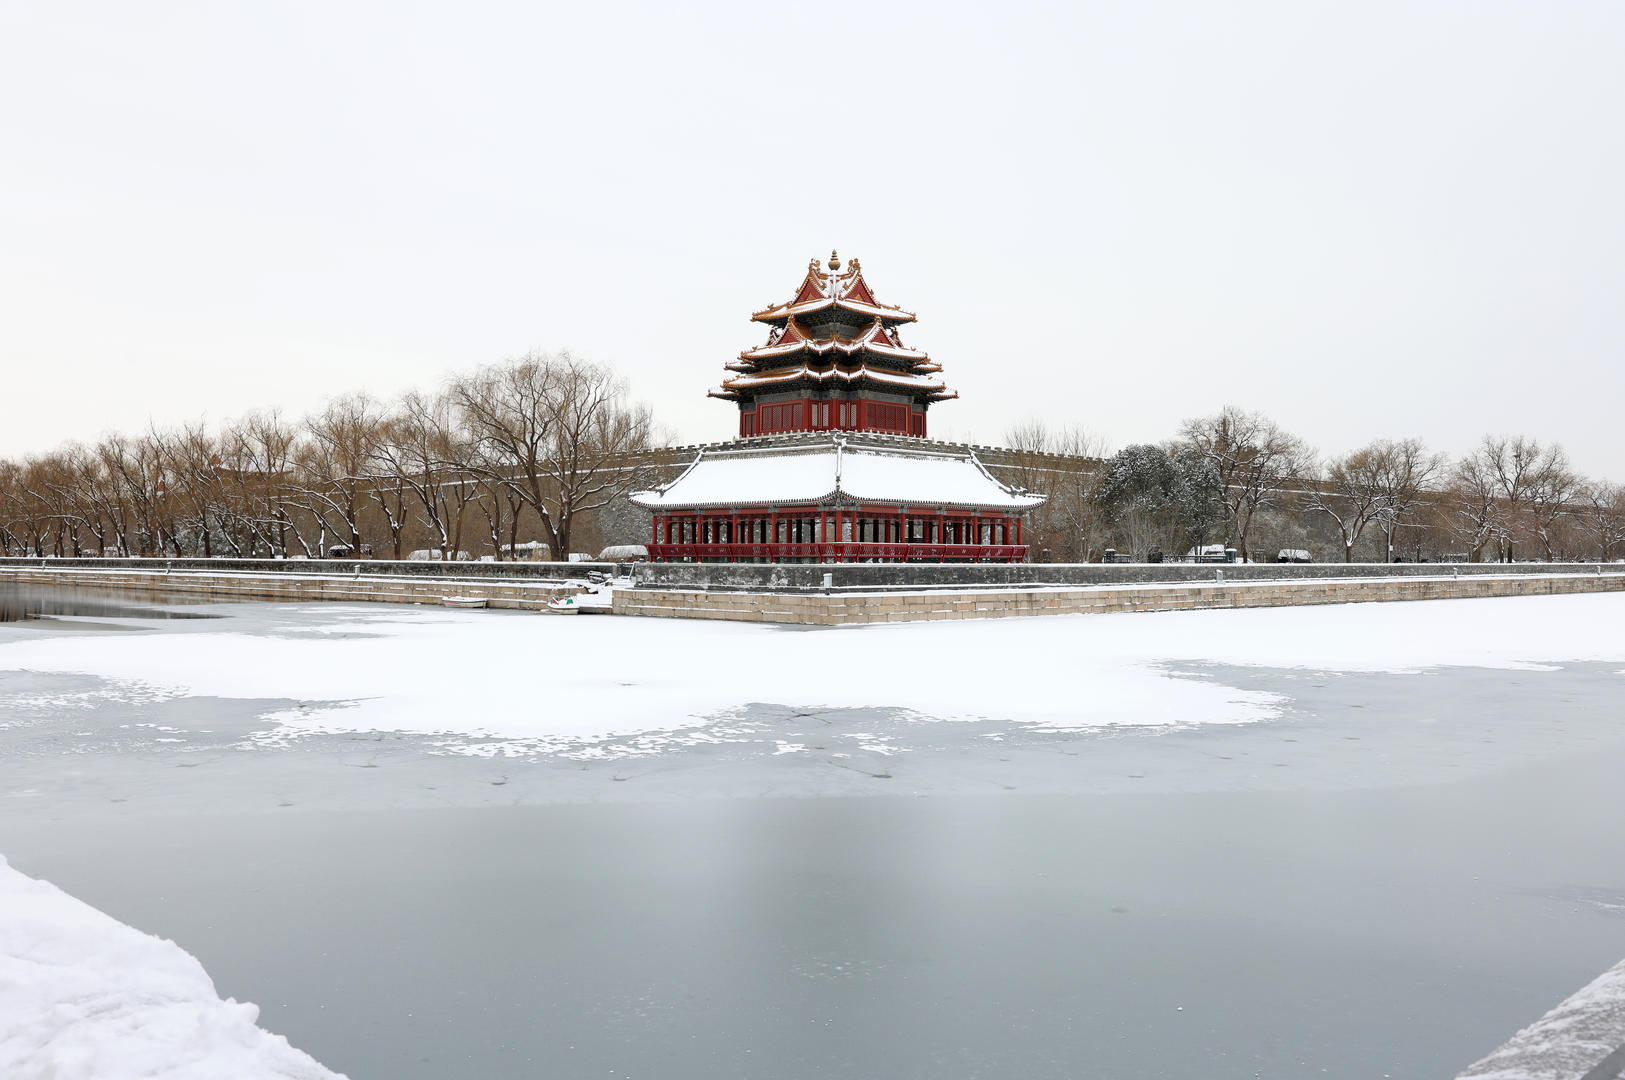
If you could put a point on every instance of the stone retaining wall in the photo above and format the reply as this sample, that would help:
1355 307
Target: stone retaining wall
758 577
840 609
293 587
475 571
818 608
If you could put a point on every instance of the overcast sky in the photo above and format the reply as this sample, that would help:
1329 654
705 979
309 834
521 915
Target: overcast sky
1363 219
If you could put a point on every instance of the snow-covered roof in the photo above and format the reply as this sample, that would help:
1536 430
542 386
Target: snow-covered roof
807 307
875 339
837 469
835 374
820 290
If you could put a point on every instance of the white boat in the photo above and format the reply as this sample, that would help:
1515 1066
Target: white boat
463 601
592 601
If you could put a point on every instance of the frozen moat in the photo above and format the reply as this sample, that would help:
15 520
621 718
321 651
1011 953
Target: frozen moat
1338 841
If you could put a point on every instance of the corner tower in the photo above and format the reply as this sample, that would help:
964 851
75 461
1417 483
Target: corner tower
834 361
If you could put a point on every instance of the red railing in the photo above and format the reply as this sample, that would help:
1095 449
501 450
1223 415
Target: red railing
842 552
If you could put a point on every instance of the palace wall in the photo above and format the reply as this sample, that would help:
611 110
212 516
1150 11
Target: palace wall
858 608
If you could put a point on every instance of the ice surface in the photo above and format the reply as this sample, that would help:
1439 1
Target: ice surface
84 997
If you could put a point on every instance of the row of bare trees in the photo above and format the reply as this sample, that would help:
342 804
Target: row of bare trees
520 449
1509 498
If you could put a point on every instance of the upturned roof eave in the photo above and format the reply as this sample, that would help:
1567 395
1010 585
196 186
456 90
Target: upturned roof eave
781 312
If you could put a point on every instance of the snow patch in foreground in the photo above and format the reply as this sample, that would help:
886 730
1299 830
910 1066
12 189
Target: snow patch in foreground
84 997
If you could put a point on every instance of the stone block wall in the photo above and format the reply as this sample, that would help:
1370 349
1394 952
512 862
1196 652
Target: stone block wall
867 576
292 587
846 609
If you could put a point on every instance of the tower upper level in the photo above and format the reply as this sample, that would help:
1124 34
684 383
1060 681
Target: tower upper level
834 359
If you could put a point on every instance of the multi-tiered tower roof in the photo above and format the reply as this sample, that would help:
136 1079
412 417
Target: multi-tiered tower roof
833 363
834 360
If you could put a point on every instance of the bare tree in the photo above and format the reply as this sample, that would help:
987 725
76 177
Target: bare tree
1405 475
557 433
190 462
1600 511
1258 462
261 451
424 447
333 469
1377 485
1513 488
12 530
49 492
1349 493
1551 500
137 468
1064 466
1479 516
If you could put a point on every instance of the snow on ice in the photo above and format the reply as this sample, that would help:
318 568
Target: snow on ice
522 676
84 997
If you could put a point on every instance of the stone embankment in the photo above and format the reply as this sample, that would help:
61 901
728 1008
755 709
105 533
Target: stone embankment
846 608
299 582
834 595
1583 1038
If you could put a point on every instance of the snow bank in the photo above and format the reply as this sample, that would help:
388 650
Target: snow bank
1568 1043
525 676
84 997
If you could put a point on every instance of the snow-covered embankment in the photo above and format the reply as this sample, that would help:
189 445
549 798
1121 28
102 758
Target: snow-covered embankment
84 997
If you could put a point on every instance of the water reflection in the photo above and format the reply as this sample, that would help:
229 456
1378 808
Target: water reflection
20 603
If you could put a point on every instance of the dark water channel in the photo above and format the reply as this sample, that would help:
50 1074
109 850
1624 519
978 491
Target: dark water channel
1387 881
21 603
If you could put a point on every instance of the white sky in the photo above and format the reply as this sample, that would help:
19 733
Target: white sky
1364 219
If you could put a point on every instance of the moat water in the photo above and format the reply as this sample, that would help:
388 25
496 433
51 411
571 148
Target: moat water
1388 880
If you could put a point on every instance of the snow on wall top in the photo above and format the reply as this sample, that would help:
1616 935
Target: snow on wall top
825 472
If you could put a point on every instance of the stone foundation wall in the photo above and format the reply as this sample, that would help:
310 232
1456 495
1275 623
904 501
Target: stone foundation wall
520 569
817 608
295 588
876 576
841 609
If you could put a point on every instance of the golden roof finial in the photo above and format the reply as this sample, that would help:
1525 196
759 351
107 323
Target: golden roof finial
834 260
